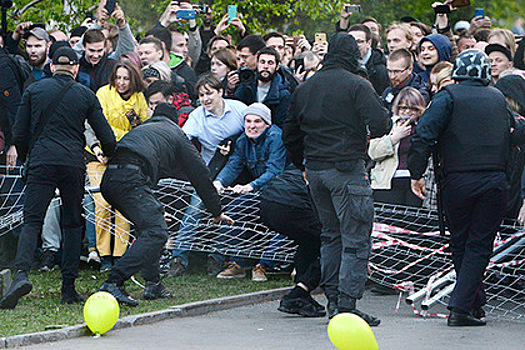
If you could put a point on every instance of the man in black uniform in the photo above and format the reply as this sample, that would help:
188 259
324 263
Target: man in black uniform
327 126
156 149
469 123
55 161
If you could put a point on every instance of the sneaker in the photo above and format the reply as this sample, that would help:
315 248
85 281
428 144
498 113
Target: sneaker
302 305
280 269
106 264
259 274
48 261
20 287
232 270
119 293
214 267
93 258
177 268
156 291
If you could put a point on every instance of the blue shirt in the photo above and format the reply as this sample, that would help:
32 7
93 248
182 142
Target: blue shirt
210 129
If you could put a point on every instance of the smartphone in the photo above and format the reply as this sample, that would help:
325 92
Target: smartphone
460 3
442 9
320 37
232 12
353 8
299 64
110 6
479 12
186 14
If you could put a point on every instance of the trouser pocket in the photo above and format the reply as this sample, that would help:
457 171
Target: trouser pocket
361 202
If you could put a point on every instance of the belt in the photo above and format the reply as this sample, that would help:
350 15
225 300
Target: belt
124 166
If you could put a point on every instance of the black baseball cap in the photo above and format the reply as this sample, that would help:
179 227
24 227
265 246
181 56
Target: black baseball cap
65 56
498 48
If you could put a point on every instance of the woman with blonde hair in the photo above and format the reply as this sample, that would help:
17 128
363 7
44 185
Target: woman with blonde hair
440 76
390 178
125 107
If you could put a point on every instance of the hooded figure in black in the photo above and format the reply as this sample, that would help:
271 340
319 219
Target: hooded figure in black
325 134
444 49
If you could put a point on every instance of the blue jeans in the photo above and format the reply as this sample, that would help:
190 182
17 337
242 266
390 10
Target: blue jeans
189 222
89 210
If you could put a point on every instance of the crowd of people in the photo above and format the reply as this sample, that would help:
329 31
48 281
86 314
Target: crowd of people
320 128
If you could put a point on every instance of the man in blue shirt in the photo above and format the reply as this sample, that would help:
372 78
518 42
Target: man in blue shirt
207 126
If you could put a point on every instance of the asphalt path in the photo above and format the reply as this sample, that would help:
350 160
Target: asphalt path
261 326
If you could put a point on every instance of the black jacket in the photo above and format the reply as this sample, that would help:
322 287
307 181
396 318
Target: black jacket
95 76
470 124
188 74
278 98
415 81
11 87
62 140
377 73
330 112
163 150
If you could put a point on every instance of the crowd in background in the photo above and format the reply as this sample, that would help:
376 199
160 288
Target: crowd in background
231 97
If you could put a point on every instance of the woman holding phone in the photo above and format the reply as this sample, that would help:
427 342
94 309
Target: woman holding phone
125 107
390 178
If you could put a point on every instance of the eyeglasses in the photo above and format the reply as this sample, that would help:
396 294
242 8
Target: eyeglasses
409 108
396 72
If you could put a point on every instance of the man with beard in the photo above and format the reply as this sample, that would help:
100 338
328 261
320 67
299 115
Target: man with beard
37 46
268 88
325 135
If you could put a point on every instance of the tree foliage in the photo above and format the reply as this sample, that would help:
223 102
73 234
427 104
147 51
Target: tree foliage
289 16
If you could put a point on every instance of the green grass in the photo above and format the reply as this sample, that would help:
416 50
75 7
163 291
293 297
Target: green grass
41 309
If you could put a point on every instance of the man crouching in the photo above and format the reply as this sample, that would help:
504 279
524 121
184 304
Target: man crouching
152 151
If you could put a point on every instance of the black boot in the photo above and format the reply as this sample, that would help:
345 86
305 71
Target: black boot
70 295
479 313
20 287
460 319
156 291
331 307
371 320
119 293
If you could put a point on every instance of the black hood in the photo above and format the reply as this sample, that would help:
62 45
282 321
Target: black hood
343 52
166 110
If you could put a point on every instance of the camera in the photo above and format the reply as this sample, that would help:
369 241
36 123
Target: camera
246 75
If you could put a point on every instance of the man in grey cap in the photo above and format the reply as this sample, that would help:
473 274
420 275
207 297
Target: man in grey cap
49 133
37 46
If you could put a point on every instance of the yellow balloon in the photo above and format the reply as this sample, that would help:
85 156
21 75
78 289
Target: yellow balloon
101 312
350 332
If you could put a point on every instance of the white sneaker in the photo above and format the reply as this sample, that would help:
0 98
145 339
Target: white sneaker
93 257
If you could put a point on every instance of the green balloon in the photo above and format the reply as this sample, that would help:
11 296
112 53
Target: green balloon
101 312
350 332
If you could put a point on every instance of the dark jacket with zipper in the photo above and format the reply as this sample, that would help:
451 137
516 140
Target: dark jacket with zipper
162 150
377 73
331 112
95 76
62 140
278 98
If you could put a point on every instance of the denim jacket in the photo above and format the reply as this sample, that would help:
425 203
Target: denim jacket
263 157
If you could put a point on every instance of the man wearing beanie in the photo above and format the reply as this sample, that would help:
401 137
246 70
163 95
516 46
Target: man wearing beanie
49 133
260 151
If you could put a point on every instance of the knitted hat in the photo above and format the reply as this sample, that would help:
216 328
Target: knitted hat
259 110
